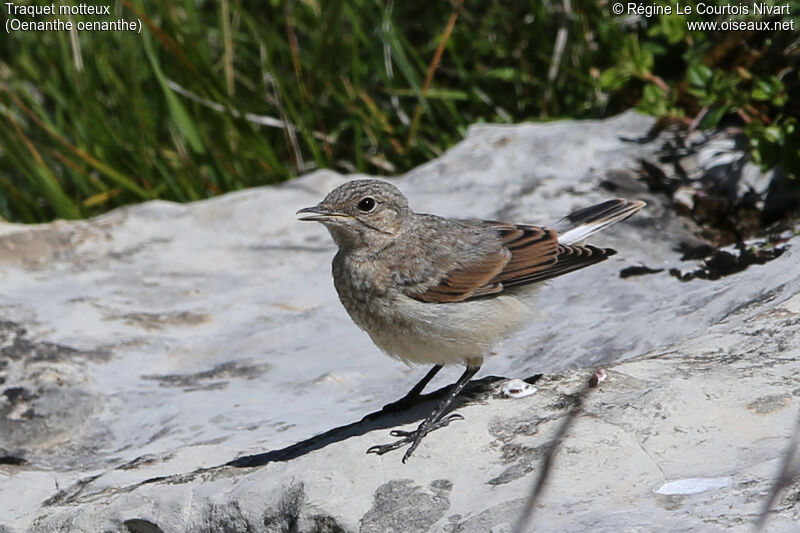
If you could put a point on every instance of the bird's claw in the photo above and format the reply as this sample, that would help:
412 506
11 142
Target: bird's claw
380 449
412 437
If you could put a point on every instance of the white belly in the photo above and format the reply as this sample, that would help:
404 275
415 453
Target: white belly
462 332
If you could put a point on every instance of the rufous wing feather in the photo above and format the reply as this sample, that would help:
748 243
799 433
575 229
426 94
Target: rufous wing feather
528 254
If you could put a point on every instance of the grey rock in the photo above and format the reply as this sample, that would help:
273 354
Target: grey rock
142 350
399 506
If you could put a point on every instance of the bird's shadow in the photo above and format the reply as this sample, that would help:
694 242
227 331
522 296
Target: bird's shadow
383 419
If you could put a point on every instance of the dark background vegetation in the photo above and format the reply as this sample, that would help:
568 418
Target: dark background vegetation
217 96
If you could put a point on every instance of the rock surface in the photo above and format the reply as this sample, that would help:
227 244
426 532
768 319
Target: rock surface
141 350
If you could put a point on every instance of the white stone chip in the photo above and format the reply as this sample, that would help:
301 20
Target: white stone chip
694 485
516 388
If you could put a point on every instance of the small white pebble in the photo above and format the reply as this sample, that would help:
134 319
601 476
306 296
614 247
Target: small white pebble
693 485
516 388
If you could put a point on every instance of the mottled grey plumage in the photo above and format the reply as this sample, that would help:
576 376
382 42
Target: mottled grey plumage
429 289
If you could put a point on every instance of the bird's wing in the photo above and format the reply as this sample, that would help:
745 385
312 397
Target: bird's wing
527 254
468 281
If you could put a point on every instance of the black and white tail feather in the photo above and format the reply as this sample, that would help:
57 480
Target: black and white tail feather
583 223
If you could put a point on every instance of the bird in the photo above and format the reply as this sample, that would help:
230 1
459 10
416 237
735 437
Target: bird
443 291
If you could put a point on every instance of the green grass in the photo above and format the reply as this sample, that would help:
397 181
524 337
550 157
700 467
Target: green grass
218 96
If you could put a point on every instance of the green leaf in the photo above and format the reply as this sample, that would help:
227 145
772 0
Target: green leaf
712 117
176 109
699 76
432 94
613 78
506 74
773 134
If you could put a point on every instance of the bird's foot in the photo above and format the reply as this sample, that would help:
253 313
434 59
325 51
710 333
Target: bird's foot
412 437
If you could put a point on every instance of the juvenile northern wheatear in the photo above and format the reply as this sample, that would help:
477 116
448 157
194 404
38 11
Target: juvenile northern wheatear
439 291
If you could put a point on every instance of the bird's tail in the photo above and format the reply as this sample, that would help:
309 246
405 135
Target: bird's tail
581 224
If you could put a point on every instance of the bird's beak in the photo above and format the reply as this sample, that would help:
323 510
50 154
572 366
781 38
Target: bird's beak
318 213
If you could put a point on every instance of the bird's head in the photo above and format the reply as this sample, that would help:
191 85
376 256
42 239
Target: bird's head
361 213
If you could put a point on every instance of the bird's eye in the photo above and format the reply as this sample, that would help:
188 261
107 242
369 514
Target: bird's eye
366 204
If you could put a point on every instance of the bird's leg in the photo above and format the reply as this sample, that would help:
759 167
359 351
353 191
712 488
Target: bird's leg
432 422
406 401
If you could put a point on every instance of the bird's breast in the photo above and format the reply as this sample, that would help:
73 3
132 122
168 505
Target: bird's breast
419 332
